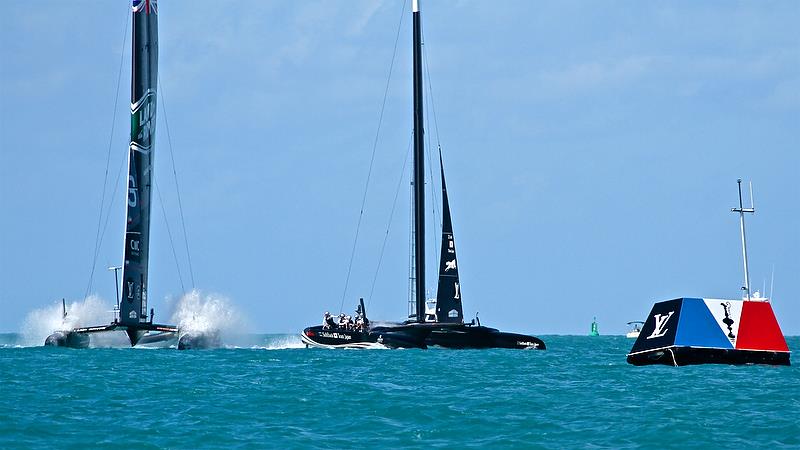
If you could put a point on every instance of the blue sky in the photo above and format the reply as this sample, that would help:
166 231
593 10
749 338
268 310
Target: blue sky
591 148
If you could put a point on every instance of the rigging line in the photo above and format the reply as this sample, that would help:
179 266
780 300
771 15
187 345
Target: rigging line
429 102
175 177
372 158
412 265
434 203
169 233
391 216
113 198
98 238
430 91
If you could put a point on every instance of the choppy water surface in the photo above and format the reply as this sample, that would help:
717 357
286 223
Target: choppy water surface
578 393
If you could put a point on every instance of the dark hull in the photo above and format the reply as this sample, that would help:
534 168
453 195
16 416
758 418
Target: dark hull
401 336
199 341
684 356
79 337
69 339
463 336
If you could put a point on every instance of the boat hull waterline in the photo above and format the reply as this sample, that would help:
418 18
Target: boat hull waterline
199 340
685 356
68 339
424 335
148 334
400 336
464 336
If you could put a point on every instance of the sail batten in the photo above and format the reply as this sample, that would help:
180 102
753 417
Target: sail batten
144 76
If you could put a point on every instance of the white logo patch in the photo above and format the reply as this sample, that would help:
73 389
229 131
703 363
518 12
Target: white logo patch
727 313
661 325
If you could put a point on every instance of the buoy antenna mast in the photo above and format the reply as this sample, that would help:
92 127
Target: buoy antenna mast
741 210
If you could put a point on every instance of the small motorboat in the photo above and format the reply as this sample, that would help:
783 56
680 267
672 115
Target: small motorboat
636 328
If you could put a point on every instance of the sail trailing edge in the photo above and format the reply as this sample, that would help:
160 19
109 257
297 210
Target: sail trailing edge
448 295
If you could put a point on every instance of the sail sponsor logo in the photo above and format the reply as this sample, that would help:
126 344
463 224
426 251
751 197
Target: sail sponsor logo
130 290
145 122
132 314
450 265
327 334
661 325
458 292
133 192
452 313
527 344
451 246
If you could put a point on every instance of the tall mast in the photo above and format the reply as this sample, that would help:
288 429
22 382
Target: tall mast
144 76
419 168
741 210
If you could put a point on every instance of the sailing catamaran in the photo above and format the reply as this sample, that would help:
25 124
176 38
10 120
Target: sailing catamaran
131 314
442 322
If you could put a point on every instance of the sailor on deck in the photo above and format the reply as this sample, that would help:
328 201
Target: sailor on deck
327 321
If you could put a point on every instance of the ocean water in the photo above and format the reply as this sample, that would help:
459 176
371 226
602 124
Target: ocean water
272 393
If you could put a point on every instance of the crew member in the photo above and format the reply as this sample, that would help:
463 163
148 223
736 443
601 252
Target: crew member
327 321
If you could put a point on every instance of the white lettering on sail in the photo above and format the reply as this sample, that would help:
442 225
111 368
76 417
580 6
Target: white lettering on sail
133 196
134 245
661 325
458 292
130 289
144 121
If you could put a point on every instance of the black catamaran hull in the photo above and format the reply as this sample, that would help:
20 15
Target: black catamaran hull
69 339
445 325
144 334
199 341
403 336
684 356
462 336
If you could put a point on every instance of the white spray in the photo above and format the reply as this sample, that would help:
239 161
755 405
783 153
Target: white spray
206 313
40 323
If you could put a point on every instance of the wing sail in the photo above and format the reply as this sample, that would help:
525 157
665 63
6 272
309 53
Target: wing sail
448 295
144 78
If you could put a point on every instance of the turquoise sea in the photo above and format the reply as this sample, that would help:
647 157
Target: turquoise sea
271 393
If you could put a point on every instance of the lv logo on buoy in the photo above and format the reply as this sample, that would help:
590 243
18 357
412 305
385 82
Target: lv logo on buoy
661 325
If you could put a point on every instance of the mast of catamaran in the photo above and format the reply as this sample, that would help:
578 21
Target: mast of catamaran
419 169
741 210
144 76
